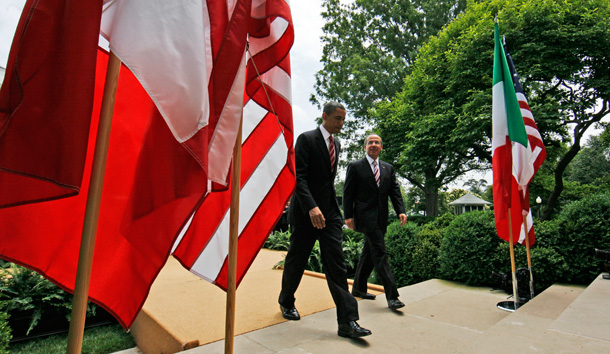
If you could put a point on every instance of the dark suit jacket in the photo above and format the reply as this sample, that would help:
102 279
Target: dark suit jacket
367 203
315 180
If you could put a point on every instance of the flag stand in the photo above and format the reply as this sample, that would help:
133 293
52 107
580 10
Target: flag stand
529 257
233 237
511 306
94 196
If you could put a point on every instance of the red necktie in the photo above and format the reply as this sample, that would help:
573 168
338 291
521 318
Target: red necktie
376 172
331 152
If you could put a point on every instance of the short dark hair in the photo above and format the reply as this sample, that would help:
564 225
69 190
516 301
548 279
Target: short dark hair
332 106
366 140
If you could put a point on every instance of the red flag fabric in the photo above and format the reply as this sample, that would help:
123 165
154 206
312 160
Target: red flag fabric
53 72
155 178
267 174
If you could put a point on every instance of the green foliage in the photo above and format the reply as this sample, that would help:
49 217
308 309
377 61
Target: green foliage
5 330
425 263
470 249
368 47
96 340
352 247
400 241
583 226
278 240
419 219
592 162
548 267
26 290
439 126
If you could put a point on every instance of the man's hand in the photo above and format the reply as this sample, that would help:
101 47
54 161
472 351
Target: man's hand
350 223
403 219
317 218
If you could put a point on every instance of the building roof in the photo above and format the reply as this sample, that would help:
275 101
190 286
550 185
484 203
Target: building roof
469 199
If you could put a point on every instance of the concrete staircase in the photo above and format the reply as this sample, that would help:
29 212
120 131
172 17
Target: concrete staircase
445 317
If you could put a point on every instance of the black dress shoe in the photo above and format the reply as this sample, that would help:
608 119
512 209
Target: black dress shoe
395 304
290 313
352 330
364 296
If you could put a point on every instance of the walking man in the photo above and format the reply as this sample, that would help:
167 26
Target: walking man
368 184
314 215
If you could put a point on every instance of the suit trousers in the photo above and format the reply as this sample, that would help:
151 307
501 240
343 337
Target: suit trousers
330 238
374 257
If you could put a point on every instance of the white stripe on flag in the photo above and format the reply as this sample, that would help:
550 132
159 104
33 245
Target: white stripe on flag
253 114
279 81
499 129
177 80
219 155
278 27
210 261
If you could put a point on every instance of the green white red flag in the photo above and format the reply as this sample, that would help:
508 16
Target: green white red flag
517 150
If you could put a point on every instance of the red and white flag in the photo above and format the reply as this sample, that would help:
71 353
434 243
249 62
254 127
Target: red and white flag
517 149
267 175
157 170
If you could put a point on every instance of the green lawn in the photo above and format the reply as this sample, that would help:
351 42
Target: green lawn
97 340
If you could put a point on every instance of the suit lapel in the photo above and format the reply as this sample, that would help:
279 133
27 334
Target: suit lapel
321 143
369 171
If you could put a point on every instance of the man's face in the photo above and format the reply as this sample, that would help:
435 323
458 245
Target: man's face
373 146
334 122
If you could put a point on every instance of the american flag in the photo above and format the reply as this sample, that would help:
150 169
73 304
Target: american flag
536 146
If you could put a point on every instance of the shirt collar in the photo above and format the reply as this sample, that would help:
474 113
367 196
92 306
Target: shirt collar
370 160
325 132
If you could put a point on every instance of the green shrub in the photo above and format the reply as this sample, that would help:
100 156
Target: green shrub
426 248
583 226
25 290
400 242
470 249
548 267
5 330
419 219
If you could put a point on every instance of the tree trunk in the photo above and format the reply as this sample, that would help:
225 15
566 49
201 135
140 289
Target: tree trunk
559 170
431 201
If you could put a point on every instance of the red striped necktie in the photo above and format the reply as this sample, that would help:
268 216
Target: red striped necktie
331 151
376 172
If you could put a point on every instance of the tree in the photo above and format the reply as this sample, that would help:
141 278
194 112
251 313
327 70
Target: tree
439 125
592 164
368 47
477 187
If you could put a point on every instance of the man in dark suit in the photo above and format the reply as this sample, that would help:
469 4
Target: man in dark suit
368 184
314 215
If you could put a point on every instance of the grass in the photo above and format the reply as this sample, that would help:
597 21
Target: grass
96 340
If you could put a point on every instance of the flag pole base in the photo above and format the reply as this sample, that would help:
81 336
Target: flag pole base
509 306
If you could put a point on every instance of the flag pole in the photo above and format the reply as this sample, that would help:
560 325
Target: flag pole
514 305
512 261
85 259
529 257
233 236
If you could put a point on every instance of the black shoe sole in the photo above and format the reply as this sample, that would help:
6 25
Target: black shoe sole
363 297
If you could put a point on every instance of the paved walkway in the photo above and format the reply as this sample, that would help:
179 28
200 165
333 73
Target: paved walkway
439 317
